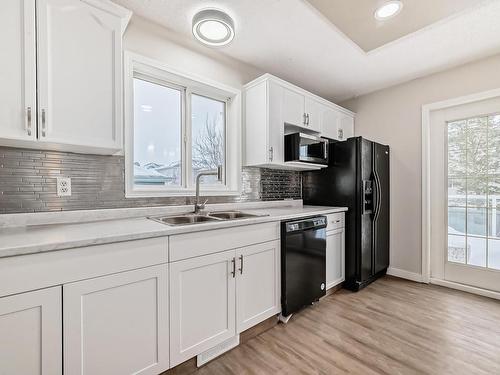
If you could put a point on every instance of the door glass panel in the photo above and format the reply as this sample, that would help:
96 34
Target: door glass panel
456 249
476 221
477 190
494 254
474 191
456 220
476 251
494 223
457 192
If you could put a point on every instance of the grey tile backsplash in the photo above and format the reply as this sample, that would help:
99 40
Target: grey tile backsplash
28 183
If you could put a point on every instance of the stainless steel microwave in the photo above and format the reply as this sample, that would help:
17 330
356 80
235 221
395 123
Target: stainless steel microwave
306 148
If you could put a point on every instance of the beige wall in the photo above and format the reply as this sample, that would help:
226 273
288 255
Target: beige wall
153 41
393 116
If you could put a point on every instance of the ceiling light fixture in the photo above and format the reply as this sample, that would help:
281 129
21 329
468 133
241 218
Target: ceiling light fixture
213 27
388 10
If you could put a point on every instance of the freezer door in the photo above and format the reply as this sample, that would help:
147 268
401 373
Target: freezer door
365 255
381 212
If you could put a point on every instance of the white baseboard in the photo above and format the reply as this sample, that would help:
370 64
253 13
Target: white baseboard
405 274
466 288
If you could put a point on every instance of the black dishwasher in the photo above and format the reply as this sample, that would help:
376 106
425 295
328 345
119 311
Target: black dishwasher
303 262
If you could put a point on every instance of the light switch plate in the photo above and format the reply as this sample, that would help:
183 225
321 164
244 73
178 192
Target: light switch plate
63 186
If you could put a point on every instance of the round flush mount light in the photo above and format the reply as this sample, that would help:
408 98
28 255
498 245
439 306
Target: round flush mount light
213 27
388 10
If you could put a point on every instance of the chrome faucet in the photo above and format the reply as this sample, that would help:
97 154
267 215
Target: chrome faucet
217 172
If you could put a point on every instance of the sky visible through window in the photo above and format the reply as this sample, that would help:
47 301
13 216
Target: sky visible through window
158 134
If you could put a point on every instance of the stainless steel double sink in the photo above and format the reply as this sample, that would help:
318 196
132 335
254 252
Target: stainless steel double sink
191 218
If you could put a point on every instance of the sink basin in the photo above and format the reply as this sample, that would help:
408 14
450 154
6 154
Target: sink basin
231 215
191 218
185 219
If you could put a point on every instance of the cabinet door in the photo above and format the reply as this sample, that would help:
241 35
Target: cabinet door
346 127
30 328
314 110
17 73
79 75
330 119
335 261
202 304
276 128
293 108
117 324
257 284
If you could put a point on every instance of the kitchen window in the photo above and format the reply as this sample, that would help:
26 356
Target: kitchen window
177 126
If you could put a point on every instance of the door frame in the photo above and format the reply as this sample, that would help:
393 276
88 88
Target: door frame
426 187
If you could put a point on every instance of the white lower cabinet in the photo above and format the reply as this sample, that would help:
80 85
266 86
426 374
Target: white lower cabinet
216 296
257 284
335 257
117 324
30 332
202 304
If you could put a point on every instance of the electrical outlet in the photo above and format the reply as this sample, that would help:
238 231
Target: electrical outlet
63 186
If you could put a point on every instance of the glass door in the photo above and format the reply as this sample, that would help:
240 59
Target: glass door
473 201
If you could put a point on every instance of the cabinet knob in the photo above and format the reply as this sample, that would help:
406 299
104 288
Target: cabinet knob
271 153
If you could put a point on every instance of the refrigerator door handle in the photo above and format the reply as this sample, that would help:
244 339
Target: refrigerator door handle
378 195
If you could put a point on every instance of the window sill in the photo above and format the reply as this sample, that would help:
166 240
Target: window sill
180 193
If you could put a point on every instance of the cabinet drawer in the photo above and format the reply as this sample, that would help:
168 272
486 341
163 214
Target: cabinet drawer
35 271
189 245
335 221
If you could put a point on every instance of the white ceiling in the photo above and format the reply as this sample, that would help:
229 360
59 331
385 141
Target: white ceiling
355 18
293 40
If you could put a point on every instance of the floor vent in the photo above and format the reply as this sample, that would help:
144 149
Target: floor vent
216 351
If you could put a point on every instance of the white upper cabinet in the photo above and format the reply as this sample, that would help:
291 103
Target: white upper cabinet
18 70
78 72
79 65
274 107
346 127
293 107
313 111
330 119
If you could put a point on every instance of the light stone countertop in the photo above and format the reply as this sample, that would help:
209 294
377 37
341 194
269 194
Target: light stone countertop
31 239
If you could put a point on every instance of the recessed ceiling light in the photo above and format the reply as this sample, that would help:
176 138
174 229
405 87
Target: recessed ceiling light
213 27
388 10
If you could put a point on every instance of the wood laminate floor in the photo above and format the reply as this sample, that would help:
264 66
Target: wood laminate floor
391 327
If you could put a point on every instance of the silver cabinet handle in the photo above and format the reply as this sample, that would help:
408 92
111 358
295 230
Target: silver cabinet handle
44 133
28 119
271 154
233 272
305 118
341 133
241 265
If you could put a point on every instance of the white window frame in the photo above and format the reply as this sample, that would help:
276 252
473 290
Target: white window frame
138 66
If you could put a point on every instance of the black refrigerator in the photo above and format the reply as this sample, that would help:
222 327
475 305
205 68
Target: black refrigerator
357 177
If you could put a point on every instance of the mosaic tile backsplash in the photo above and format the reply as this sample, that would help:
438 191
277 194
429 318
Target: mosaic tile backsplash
28 183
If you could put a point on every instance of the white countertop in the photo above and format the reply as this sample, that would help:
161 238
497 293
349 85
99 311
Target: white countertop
30 239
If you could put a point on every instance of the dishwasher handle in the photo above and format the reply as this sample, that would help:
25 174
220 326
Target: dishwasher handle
318 222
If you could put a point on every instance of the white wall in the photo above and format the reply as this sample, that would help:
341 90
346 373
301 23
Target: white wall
153 41
393 116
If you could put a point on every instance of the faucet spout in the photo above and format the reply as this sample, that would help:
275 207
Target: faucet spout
217 172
